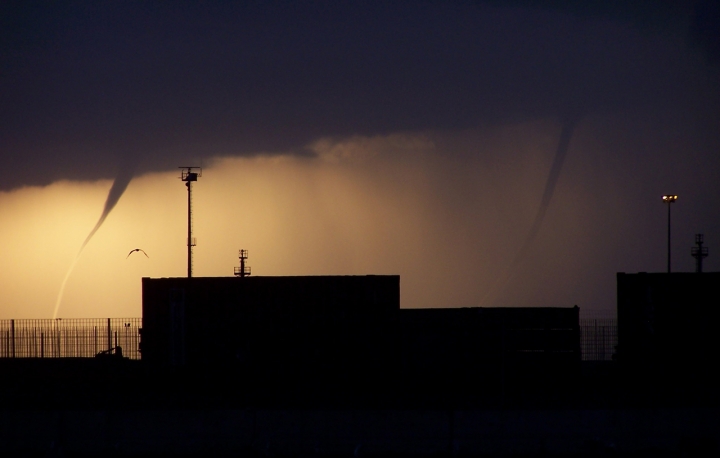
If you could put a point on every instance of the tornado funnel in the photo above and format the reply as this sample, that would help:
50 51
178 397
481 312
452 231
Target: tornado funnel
566 133
116 191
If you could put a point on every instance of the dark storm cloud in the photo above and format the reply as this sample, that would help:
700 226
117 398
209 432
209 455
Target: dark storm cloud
86 86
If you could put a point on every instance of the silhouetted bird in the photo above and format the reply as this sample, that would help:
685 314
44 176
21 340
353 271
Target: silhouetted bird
137 249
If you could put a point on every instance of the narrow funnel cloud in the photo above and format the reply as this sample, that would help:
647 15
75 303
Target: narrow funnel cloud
568 128
116 191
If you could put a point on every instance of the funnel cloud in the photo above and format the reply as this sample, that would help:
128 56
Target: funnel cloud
122 180
568 126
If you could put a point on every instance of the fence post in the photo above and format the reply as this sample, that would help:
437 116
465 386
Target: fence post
595 340
12 338
109 337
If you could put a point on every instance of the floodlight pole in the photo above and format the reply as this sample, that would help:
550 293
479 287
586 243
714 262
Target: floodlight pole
189 236
669 251
669 199
188 175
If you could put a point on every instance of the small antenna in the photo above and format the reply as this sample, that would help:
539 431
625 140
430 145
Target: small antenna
243 270
699 252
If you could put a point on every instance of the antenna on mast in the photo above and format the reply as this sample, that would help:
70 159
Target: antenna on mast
188 175
699 252
243 270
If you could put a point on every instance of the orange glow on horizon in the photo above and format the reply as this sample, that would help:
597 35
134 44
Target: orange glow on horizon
365 205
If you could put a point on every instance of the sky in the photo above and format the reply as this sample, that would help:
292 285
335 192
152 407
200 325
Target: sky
490 153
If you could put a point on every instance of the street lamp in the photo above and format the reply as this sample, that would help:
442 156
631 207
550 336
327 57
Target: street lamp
669 199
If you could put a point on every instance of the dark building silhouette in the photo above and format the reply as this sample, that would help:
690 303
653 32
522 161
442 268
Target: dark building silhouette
349 331
274 325
667 328
458 339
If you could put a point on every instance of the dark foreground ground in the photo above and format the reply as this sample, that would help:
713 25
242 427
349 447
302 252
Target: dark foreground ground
96 407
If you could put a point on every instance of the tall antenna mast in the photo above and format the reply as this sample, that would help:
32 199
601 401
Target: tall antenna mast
188 175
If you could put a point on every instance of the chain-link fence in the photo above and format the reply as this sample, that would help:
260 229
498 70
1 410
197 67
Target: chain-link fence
70 338
88 337
598 338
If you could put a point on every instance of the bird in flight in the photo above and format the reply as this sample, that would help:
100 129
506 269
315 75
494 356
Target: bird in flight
137 249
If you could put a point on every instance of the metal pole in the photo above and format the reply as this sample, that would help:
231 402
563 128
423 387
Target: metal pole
189 240
12 338
669 205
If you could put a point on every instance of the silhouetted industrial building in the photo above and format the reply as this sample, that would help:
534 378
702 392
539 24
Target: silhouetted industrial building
458 341
351 329
269 325
667 325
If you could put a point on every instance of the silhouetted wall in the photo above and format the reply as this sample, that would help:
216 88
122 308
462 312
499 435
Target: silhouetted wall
346 335
491 348
667 325
273 326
